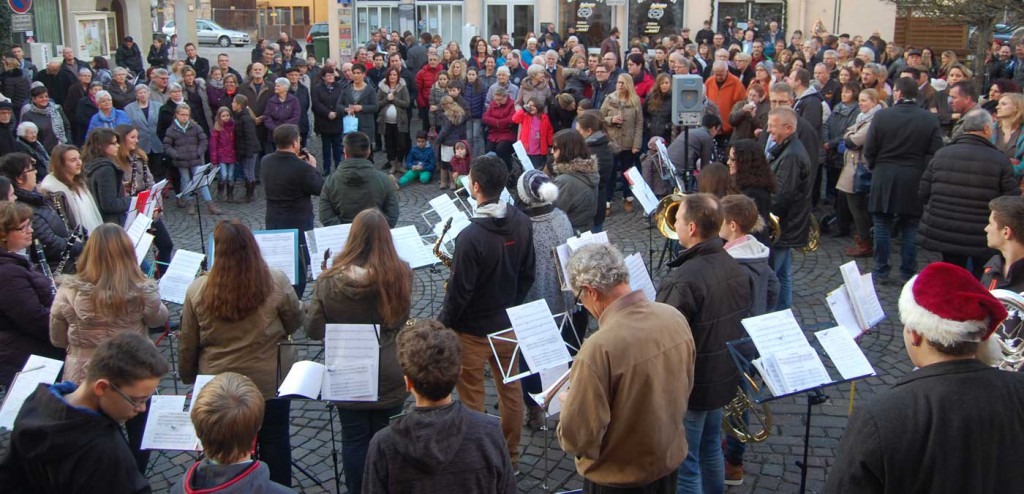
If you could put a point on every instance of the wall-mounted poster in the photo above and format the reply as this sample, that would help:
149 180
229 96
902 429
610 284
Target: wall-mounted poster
93 35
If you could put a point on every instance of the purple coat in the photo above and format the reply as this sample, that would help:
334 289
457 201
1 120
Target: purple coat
280 113
222 144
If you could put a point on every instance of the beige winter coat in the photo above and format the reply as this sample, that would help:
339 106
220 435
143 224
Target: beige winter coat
77 325
249 347
629 135
858 134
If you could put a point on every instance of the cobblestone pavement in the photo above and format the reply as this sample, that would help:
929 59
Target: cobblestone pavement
770 465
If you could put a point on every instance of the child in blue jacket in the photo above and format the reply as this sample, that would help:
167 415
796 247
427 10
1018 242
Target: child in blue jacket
419 161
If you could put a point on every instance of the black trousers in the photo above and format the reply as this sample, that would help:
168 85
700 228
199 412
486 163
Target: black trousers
664 485
977 263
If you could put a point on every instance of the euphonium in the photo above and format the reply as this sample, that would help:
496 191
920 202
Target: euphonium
1010 333
732 416
665 215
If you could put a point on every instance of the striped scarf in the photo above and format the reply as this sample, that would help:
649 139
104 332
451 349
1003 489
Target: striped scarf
56 120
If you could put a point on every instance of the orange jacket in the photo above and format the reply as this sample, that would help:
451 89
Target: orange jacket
725 96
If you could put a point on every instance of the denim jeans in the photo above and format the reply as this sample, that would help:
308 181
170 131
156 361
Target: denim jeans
623 161
226 172
186 177
274 440
782 264
332 151
703 470
357 428
475 136
883 234
248 168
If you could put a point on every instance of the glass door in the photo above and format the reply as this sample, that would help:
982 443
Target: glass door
513 19
443 19
762 12
370 18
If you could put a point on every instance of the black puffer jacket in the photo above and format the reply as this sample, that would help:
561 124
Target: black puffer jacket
247 141
15 86
105 181
712 291
577 183
49 229
792 199
323 100
658 120
24 315
955 190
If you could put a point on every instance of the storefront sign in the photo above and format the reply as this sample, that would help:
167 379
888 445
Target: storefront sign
583 14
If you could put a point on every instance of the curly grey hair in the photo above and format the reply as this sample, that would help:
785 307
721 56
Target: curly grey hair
599 266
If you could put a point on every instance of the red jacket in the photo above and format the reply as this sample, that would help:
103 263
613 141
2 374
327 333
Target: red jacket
725 96
222 144
644 86
425 80
547 133
499 119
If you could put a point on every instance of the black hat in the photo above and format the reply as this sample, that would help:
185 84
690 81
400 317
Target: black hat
914 51
6 105
293 68
129 38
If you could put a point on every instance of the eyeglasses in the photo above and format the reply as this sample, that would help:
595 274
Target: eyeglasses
24 229
135 404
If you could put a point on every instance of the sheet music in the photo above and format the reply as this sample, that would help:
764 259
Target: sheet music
445 207
35 371
845 353
506 196
770 374
352 358
156 198
642 190
587 238
168 427
332 237
142 248
563 253
538 335
199 176
280 250
179 275
411 248
663 153
524 159
862 294
458 224
201 381
800 369
842 310
138 228
304 379
316 257
775 332
639 278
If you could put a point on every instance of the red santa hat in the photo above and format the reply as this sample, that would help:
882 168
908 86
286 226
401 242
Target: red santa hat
947 305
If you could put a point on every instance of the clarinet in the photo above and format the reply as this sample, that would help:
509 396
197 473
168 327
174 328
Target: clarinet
76 234
44 266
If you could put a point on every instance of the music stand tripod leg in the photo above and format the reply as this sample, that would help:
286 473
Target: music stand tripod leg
815 397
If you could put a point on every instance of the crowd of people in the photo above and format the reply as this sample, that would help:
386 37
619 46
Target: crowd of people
835 133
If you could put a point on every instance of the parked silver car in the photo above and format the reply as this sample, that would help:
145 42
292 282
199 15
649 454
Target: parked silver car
209 32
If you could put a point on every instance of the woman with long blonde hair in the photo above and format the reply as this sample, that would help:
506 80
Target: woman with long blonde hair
367 284
233 320
624 116
1009 134
107 296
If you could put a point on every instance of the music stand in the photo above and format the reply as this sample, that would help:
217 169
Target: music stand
508 335
741 348
203 178
330 416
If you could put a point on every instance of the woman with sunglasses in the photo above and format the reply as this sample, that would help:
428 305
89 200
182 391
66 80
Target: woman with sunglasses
26 292
106 296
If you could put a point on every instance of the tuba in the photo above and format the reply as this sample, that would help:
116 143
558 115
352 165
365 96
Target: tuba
665 215
732 416
1010 333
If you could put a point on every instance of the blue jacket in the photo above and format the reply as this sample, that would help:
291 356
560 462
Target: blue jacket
475 100
424 155
117 117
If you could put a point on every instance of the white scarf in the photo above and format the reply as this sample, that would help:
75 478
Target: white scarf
81 202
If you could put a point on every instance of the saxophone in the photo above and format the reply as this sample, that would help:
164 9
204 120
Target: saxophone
438 253
44 266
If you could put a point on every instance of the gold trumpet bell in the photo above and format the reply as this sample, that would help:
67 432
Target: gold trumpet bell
813 236
665 215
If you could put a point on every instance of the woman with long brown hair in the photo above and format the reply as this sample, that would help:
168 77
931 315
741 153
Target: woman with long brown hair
233 320
106 296
132 160
367 284
66 177
658 108
105 178
752 177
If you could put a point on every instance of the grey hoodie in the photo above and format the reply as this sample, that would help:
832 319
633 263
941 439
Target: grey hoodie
764 285
249 478
442 449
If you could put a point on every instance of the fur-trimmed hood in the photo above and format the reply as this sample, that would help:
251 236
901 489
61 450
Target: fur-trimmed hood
578 165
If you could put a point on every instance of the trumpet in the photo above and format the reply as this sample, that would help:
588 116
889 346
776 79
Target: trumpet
552 393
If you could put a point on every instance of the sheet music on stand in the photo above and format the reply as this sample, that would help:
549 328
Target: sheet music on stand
37 370
862 296
321 240
522 156
138 233
179 275
639 277
168 426
789 364
350 370
411 248
202 177
156 198
444 206
537 335
642 190
280 250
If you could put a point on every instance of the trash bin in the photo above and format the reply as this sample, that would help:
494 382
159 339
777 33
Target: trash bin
321 47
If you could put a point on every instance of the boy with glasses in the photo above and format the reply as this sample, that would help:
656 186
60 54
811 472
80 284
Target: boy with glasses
67 438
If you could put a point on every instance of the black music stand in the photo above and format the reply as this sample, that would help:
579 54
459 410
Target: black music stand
330 418
193 189
741 349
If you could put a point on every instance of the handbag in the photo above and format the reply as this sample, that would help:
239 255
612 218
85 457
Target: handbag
861 179
349 124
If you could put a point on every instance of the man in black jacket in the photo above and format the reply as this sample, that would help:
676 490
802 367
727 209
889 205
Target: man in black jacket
302 94
901 441
67 437
900 143
713 292
956 189
792 199
1005 233
290 178
200 64
129 56
781 96
327 122
493 270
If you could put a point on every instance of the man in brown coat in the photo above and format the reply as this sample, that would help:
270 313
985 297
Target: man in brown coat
626 431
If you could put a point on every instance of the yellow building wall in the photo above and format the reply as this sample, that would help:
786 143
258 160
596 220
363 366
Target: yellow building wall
317 8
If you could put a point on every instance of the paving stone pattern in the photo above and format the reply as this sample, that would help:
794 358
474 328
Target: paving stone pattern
770 465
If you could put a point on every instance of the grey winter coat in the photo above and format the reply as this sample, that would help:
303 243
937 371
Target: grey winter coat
401 103
148 140
577 183
186 147
368 114
105 180
843 117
